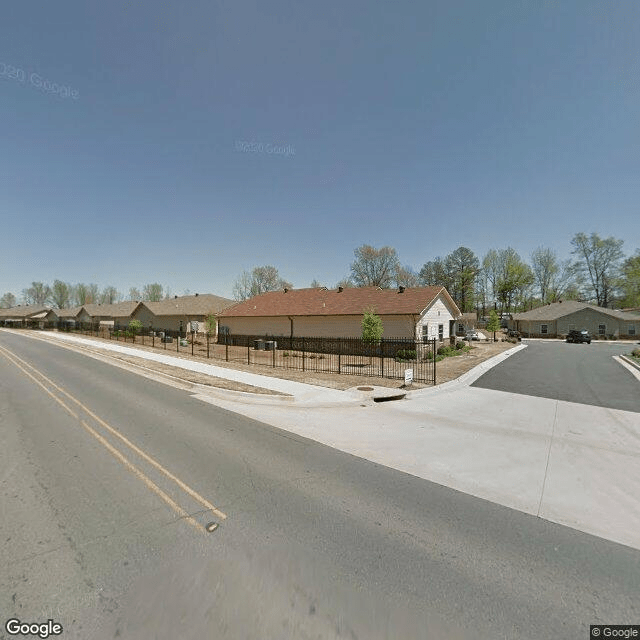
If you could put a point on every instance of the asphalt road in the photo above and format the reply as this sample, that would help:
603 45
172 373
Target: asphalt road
584 373
311 543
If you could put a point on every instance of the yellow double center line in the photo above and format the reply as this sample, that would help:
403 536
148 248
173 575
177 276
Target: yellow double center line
28 368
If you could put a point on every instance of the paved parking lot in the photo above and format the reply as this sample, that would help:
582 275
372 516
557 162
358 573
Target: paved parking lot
584 373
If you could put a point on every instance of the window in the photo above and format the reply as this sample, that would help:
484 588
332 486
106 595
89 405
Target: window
632 330
544 329
602 329
460 328
440 331
425 332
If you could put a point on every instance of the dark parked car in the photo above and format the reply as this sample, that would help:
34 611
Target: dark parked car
579 336
513 333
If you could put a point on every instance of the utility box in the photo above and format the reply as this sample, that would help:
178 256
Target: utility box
258 345
269 345
167 339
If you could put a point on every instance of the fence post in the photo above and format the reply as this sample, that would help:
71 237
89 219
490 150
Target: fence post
248 352
193 339
382 357
273 355
178 343
226 343
153 338
303 354
339 356
207 345
434 361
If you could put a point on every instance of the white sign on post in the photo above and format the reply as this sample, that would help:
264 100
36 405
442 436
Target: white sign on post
194 326
408 376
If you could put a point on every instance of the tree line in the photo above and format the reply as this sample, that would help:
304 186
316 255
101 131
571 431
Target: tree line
64 295
598 272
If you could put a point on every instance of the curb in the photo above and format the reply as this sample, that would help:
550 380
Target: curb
467 378
633 363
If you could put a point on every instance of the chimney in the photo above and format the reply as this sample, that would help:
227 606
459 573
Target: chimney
175 297
340 289
196 295
285 289
400 289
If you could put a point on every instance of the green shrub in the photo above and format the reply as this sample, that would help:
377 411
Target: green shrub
460 345
406 354
285 354
636 353
445 350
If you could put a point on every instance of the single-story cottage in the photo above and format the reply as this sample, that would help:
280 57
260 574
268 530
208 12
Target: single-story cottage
415 313
24 315
557 319
71 317
117 315
177 313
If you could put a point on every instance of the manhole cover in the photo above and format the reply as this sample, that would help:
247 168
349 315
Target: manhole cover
211 527
365 388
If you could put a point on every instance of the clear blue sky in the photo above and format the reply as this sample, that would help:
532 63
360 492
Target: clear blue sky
420 125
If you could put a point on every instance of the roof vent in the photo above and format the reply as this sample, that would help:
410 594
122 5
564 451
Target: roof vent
401 289
559 301
175 297
196 295
286 290
340 289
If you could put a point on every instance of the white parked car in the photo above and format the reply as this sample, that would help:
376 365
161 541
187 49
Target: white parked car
473 335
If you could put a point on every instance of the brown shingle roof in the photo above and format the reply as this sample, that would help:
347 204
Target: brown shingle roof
117 310
23 311
67 313
201 304
351 301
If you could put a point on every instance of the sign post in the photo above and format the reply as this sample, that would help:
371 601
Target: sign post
408 377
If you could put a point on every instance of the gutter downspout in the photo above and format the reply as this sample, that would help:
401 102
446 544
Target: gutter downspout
291 321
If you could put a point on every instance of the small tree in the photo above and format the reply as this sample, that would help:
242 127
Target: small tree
212 323
494 323
372 329
135 326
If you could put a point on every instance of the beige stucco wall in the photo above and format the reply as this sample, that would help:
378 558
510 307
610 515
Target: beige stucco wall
590 319
344 326
169 323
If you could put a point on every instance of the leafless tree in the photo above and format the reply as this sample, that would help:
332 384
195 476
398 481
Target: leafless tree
60 294
259 280
38 293
374 267
152 292
598 259
134 294
405 276
80 294
110 295
7 301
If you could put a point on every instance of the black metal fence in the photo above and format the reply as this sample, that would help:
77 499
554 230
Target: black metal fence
386 358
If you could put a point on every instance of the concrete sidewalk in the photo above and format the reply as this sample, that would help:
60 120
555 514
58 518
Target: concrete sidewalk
300 392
